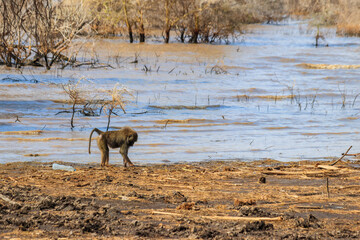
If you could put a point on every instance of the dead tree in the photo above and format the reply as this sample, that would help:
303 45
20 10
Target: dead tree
55 25
15 41
38 30
127 21
140 5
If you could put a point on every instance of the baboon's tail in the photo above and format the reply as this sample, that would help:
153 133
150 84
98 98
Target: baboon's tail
94 130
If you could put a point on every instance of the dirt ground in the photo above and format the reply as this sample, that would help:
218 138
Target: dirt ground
207 200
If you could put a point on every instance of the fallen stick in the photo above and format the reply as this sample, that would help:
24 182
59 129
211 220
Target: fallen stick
332 164
291 173
12 179
350 186
6 199
351 154
327 167
231 218
308 207
327 187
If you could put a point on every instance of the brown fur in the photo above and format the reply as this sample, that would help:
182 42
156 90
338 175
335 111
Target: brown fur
123 139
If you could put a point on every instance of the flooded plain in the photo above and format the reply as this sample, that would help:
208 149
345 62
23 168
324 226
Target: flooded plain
270 95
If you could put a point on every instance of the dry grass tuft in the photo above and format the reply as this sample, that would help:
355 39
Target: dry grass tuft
33 132
327 66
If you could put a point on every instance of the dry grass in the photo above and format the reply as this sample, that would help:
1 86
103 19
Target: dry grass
180 107
171 121
265 97
349 29
345 15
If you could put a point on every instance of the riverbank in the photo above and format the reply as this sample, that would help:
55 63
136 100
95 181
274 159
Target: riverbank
206 200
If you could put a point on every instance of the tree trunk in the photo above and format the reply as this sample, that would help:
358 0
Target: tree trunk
141 22
195 32
167 22
131 38
142 33
194 37
182 35
109 116
167 35
72 117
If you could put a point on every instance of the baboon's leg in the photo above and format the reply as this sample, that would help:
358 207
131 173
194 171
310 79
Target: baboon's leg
124 153
104 149
107 159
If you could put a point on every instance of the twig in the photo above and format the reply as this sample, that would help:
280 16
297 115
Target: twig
65 111
171 70
332 164
12 179
101 65
327 187
166 123
140 112
352 154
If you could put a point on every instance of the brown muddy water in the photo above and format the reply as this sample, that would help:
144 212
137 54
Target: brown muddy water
270 94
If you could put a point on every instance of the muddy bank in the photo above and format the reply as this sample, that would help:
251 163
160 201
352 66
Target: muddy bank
213 200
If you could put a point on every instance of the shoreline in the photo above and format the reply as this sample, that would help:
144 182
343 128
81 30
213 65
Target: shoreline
204 200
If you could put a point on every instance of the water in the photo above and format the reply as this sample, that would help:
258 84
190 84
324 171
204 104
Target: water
250 100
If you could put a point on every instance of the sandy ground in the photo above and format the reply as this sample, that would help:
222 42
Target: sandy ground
208 200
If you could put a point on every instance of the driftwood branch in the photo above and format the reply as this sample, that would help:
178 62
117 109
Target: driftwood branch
332 164
327 167
352 154
230 218
292 173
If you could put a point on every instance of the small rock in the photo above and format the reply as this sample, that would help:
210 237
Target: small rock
262 180
256 226
238 202
179 197
185 206
135 223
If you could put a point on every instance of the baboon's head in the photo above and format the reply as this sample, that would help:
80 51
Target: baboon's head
132 138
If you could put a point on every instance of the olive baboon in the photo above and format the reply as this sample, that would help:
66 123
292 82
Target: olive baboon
123 139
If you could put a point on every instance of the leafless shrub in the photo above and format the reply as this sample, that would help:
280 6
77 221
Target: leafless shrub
197 21
217 70
119 99
73 91
35 31
213 21
55 26
16 40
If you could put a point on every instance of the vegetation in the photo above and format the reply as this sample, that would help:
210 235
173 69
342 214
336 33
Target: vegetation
73 91
214 21
108 102
118 100
37 32
345 15
194 21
